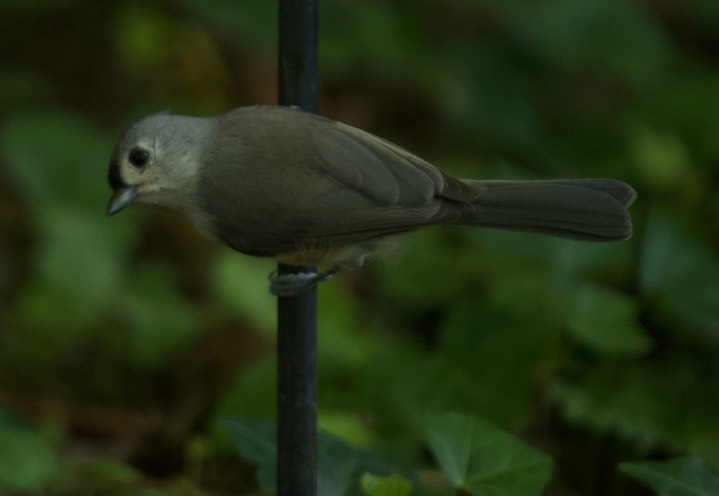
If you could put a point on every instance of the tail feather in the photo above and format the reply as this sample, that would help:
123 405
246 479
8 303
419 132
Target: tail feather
582 209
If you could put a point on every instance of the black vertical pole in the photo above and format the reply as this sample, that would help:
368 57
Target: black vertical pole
297 315
298 54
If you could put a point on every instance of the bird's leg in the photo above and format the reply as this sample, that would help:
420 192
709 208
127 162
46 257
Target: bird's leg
289 285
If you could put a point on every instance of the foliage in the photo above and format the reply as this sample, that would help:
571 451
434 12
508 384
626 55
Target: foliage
482 459
27 460
689 476
341 469
475 456
393 485
127 342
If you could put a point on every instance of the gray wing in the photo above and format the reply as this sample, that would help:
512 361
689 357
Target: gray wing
380 170
278 179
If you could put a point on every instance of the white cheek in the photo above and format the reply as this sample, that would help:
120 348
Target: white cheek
152 194
148 188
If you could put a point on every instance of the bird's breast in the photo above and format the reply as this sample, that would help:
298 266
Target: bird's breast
348 256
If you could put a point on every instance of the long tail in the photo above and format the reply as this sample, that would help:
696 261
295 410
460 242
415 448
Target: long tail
582 209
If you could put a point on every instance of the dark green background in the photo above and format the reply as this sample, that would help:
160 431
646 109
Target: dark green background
126 339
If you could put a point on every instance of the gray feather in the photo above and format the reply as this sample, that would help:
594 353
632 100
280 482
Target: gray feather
589 210
321 183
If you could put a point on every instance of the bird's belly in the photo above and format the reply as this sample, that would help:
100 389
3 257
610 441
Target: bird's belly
348 256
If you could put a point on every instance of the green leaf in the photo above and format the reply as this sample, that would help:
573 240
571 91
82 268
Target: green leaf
91 271
161 322
690 476
681 276
59 161
57 158
607 321
662 158
142 36
340 466
256 441
669 402
241 284
394 485
481 459
496 348
348 425
26 460
669 255
74 282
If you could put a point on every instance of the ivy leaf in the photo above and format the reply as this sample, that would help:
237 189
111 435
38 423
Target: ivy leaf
394 485
340 466
482 459
256 441
690 476
607 321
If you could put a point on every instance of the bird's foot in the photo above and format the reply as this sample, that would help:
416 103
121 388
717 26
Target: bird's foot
291 285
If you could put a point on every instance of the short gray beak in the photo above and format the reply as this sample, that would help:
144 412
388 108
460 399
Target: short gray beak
120 199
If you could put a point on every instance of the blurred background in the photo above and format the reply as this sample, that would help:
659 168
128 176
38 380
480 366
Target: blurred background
125 341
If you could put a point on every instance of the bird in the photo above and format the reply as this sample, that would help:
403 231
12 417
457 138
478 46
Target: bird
273 181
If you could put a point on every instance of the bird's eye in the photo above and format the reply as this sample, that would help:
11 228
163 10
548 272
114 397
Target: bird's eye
138 157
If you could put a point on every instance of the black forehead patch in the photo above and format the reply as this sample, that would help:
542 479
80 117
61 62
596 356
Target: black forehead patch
113 176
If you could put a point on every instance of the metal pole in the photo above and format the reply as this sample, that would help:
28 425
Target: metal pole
297 315
298 54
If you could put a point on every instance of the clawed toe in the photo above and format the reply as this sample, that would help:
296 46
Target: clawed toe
290 285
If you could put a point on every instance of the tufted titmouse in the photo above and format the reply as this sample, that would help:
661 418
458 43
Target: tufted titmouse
279 182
